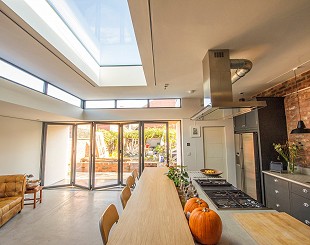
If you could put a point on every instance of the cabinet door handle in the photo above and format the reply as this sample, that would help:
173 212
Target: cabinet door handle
276 180
276 191
305 190
306 205
307 222
278 205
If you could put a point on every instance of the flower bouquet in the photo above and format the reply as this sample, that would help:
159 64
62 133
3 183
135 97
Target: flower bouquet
289 152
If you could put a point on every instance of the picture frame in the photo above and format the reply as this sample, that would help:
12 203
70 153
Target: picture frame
195 131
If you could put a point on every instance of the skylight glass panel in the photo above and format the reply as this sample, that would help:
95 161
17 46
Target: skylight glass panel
104 27
165 103
104 104
19 76
131 103
62 95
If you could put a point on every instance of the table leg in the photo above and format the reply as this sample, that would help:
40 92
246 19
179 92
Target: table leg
35 199
41 195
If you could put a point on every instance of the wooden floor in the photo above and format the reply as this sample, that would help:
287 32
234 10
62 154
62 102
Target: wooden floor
66 216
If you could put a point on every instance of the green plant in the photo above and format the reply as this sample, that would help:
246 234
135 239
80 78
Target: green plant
178 175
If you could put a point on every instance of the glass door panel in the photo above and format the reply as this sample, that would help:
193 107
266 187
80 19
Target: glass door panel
83 155
58 157
155 144
106 155
131 149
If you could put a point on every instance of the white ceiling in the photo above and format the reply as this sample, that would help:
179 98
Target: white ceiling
273 34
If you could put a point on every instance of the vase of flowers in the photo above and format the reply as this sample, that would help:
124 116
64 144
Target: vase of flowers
289 152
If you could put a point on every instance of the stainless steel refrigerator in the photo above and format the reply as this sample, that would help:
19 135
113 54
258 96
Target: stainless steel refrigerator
247 164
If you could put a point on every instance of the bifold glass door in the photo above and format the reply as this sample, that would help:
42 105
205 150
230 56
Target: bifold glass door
83 148
97 155
106 155
131 150
57 170
155 144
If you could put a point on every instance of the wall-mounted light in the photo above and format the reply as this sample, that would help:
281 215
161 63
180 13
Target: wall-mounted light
301 127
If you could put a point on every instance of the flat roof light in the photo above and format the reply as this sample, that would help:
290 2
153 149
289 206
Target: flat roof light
21 77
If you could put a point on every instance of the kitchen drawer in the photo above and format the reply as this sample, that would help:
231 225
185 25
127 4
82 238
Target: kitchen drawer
275 186
301 190
300 208
279 204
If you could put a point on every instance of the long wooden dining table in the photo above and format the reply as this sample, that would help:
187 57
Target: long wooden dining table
153 214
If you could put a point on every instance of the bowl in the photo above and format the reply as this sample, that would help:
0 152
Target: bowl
213 172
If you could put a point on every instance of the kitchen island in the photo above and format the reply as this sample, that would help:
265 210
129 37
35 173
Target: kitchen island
233 232
257 226
154 215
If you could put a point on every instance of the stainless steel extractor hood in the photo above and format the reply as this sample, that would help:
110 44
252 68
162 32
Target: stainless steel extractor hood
217 86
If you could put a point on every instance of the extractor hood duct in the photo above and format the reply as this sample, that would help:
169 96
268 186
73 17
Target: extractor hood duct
217 86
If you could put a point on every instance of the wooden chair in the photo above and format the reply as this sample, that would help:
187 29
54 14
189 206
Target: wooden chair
135 174
130 182
125 195
107 220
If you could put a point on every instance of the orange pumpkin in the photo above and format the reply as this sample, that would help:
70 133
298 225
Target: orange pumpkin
193 203
205 225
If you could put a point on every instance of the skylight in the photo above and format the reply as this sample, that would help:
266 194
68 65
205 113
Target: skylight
104 27
97 36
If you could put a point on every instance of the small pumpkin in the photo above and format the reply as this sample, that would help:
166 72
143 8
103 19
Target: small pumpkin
206 226
193 203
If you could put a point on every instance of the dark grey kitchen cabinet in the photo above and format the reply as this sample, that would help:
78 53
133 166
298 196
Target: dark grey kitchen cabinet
269 124
285 196
277 193
300 203
246 122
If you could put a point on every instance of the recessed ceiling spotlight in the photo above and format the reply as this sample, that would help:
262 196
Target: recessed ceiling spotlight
191 91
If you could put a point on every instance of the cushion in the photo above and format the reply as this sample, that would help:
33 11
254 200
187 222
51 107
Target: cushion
11 185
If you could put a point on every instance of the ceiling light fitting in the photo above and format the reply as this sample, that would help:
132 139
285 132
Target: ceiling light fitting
301 127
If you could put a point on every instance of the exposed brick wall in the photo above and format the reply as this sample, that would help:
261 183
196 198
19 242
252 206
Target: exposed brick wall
287 89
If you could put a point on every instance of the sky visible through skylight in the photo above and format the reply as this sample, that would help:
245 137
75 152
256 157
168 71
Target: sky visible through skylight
104 27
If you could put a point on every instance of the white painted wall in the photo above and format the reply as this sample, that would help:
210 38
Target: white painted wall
57 150
20 146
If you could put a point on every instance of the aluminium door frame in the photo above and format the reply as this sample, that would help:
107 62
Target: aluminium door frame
43 153
93 153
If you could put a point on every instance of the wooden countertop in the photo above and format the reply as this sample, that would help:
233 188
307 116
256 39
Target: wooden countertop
274 228
153 214
300 179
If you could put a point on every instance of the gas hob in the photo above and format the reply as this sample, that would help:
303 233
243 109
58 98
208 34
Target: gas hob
233 199
225 196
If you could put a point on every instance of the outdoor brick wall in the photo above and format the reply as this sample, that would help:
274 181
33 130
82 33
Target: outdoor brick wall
287 89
